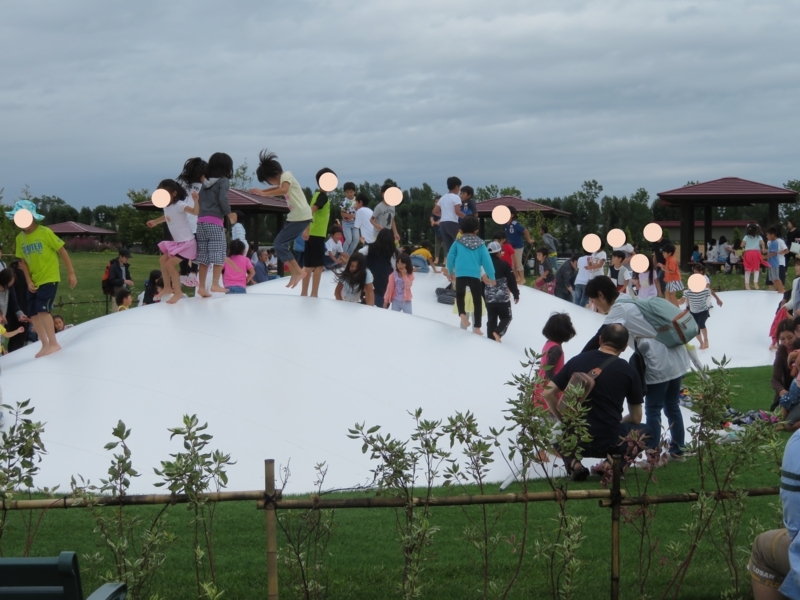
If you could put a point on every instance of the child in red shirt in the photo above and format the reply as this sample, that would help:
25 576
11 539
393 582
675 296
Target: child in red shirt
672 274
507 252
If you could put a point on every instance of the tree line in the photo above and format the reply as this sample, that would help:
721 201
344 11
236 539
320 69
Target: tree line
590 210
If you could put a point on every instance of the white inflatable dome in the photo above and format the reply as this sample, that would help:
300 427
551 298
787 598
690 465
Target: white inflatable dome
283 377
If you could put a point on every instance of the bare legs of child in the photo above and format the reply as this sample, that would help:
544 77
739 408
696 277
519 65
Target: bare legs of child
202 290
672 297
315 274
171 277
702 337
46 330
297 274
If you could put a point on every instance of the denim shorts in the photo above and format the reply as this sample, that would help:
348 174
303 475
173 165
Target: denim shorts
237 289
41 301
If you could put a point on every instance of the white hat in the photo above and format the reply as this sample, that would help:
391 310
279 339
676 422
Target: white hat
494 247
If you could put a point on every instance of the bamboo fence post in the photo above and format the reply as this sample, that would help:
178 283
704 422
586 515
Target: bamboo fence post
616 497
272 536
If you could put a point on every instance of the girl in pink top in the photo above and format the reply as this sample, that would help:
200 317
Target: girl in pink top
398 288
558 330
238 269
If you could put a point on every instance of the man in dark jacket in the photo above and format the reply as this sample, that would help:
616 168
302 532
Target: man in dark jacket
498 298
565 277
119 275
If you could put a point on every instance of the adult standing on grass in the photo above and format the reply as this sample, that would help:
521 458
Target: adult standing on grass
665 367
775 561
517 235
38 249
792 236
119 275
448 209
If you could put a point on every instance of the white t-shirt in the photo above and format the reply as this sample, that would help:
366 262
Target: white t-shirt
582 278
351 295
623 276
178 221
782 257
627 249
363 216
195 187
448 204
663 364
596 258
333 246
238 233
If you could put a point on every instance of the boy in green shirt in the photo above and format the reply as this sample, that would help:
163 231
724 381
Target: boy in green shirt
38 249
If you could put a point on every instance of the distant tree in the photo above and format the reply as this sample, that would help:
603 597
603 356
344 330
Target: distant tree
242 179
510 191
133 229
60 214
85 216
105 216
487 193
787 211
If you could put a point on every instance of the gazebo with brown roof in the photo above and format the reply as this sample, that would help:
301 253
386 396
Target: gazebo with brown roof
250 204
728 191
486 207
70 228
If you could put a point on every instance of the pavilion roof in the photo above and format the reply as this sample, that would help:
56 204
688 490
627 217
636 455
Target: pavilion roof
727 191
240 200
73 228
486 207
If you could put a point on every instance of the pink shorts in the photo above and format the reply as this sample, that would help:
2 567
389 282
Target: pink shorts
187 250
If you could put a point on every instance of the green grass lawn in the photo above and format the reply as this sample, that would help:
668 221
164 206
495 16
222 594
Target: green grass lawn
87 300
364 559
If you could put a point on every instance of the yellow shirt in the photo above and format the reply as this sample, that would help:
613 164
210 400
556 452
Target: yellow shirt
39 249
122 308
424 253
299 209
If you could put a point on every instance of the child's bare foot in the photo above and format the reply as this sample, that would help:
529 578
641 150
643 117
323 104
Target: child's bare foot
497 337
297 279
773 347
42 352
175 297
51 349
203 293
747 287
755 285
215 287
477 331
464 322
164 293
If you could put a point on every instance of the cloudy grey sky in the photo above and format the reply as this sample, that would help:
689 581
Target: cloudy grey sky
98 97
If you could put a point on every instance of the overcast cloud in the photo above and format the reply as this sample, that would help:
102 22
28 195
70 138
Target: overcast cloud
98 97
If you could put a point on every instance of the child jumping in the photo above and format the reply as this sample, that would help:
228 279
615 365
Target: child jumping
672 274
398 289
214 206
498 297
183 245
38 249
466 257
284 184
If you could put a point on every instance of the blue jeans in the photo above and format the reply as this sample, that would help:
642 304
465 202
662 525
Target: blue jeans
400 305
237 289
420 262
579 295
351 237
665 396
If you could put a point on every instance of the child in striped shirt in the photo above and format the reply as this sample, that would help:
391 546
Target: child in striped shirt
698 305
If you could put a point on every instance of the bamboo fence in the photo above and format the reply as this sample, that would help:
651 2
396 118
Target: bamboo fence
270 500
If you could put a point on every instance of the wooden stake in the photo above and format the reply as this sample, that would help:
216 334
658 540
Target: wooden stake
616 496
272 535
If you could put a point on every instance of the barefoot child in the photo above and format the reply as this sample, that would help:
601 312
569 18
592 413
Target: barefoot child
238 269
183 245
398 289
466 257
752 257
284 184
697 303
214 206
38 249
774 259
672 274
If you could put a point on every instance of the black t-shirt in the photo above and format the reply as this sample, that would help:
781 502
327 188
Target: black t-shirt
618 381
